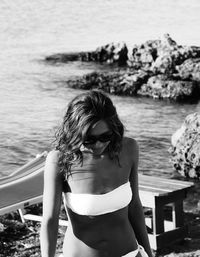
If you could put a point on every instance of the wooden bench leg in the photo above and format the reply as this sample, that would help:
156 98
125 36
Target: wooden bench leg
177 214
158 217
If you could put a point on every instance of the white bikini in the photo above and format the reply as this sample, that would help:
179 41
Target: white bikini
98 204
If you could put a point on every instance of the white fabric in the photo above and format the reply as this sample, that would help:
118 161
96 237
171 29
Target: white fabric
142 251
131 254
135 252
97 204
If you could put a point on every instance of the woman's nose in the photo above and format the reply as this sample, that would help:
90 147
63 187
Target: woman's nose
98 143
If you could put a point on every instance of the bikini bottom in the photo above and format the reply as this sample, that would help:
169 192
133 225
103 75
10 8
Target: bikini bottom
135 252
131 254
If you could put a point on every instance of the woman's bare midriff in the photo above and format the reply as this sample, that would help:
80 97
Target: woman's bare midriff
107 235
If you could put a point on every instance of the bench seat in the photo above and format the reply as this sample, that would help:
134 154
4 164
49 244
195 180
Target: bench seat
161 196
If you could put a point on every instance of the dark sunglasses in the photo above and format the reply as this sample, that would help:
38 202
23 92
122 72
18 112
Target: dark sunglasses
91 140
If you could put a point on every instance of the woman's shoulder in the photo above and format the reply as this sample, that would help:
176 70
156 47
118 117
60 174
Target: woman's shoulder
53 156
130 149
52 159
130 144
51 164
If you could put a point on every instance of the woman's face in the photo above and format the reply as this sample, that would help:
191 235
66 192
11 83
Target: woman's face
98 138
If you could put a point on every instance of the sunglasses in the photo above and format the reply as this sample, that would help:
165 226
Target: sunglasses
103 138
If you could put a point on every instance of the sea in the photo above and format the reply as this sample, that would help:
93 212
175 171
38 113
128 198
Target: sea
34 94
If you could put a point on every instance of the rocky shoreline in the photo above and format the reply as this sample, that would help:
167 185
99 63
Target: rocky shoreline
160 69
185 147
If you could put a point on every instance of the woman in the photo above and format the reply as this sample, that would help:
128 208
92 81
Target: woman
96 168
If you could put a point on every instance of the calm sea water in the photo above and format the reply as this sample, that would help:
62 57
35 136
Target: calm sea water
33 95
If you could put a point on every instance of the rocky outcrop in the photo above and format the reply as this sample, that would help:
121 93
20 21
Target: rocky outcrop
185 149
161 56
158 68
119 83
168 87
190 69
110 53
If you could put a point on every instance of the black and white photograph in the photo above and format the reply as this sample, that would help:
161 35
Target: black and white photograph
100 128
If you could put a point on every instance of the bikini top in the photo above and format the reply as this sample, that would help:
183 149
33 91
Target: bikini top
97 204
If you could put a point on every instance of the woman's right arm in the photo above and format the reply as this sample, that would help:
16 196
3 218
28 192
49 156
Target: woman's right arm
52 196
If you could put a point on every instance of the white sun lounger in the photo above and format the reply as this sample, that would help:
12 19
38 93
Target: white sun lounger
23 188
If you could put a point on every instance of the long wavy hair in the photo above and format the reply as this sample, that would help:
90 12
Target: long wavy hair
84 111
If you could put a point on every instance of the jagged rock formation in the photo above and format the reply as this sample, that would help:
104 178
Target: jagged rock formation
110 53
158 69
185 149
190 69
169 87
119 83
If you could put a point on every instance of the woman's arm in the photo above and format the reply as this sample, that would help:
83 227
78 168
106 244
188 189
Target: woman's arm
136 214
51 205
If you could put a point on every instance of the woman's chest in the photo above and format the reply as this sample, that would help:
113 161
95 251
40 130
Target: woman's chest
98 176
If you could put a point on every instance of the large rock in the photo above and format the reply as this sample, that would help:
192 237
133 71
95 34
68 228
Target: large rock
163 64
185 149
120 83
190 69
161 56
165 87
110 53
142 56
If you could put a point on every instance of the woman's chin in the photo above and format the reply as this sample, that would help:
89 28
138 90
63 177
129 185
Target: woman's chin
100 151
95 150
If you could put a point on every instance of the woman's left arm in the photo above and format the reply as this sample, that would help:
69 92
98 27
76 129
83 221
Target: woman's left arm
136 214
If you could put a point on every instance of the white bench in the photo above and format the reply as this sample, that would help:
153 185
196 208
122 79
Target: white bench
156 193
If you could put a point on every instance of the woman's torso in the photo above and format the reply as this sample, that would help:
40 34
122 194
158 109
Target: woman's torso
109 234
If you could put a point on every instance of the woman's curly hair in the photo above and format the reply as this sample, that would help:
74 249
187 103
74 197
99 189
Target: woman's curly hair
84 111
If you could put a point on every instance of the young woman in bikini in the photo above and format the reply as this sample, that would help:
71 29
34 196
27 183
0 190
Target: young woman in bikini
95 166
